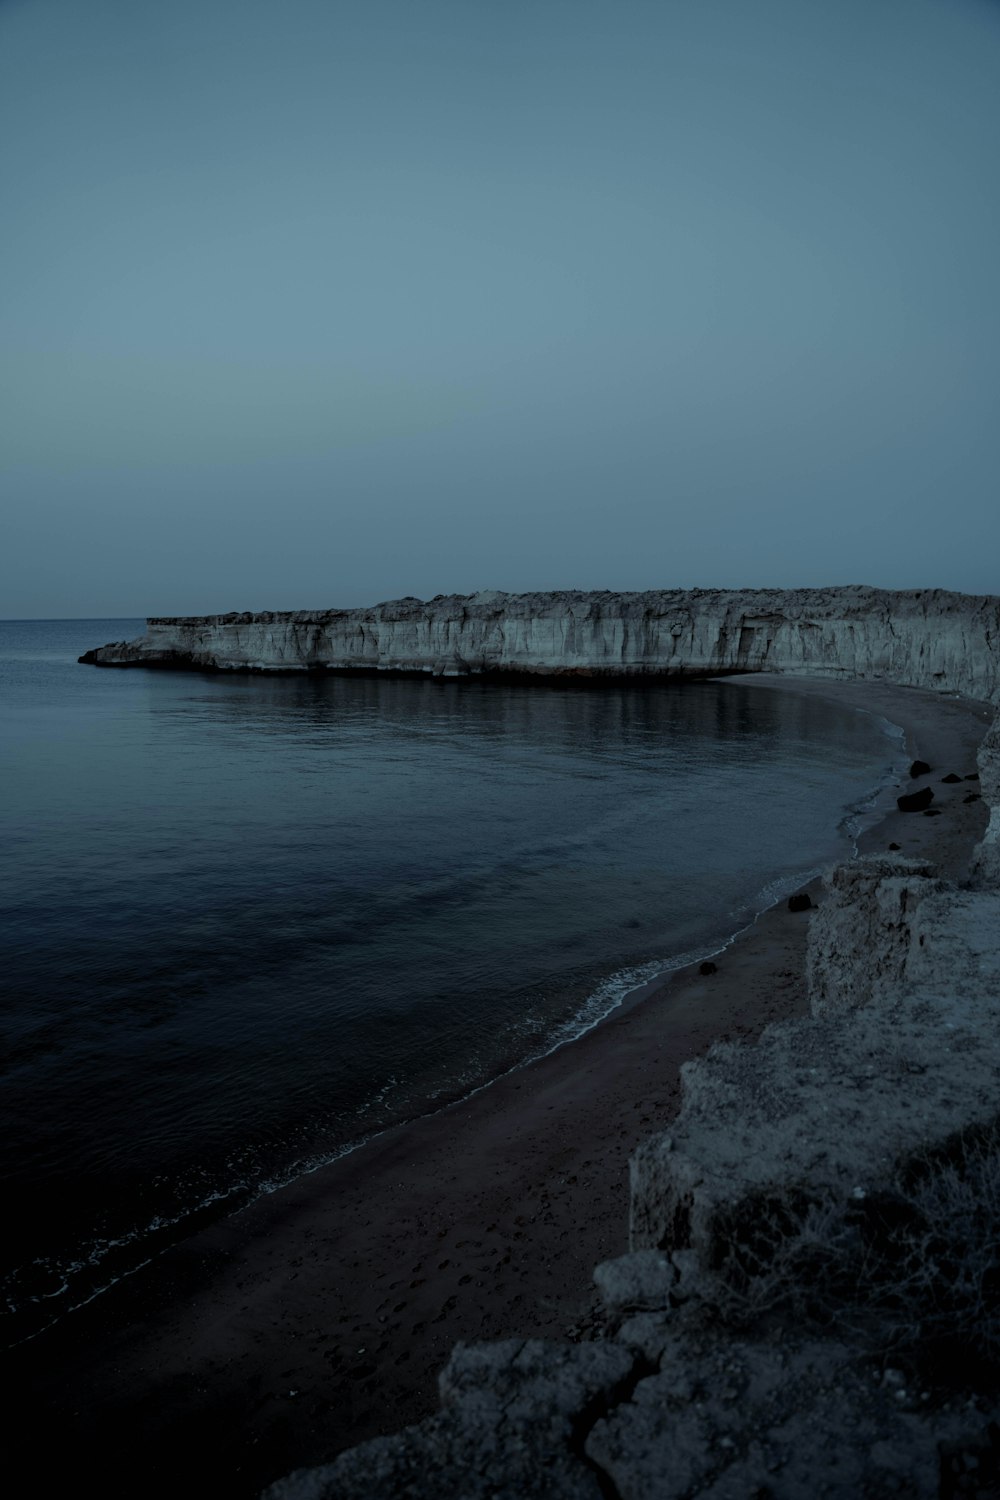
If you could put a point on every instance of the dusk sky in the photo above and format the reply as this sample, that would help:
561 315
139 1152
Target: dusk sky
323 302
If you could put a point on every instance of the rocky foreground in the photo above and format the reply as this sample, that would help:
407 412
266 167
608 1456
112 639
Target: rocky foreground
921 638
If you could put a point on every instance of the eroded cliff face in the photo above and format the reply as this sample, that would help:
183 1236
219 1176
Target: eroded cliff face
986 862
920 638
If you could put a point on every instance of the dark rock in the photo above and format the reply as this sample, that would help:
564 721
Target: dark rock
932 812
919 768
708 967
951 778
973 797
801 902
915 801
510 1425
895 846
972 776
706 1423
643 1279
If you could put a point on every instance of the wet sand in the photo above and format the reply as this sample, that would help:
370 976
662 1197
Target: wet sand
320 1315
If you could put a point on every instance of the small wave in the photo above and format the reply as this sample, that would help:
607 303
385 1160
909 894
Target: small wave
61 1278
55 1278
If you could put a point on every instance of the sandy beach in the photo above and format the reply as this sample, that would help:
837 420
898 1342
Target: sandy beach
320 1315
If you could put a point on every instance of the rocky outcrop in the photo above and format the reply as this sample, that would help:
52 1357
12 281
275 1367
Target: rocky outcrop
814 1234
521 1420
921 638
986 863
902 1049
521 1409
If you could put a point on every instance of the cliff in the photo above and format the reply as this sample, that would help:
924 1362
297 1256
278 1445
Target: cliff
921 638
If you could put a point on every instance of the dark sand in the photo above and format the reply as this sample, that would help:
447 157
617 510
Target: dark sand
320 1315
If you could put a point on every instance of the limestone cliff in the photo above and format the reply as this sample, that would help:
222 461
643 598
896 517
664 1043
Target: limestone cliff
921 638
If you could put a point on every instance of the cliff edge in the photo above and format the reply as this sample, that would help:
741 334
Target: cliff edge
925 638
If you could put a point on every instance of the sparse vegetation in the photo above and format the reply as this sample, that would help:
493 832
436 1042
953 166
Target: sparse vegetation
910 1270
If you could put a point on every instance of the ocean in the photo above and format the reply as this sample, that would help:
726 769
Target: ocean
248 922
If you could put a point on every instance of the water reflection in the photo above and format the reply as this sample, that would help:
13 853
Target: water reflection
601 717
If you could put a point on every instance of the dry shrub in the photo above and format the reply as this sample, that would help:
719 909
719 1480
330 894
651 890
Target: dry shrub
910 1269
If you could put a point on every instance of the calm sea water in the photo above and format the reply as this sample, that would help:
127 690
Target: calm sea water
247 922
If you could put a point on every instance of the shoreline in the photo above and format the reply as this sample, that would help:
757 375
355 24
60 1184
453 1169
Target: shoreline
318 1315
608 993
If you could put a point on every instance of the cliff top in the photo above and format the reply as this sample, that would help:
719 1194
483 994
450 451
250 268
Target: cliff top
846 598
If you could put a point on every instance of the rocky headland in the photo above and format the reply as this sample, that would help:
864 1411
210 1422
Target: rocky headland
921 638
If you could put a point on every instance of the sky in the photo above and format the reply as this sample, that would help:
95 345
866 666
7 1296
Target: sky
315 303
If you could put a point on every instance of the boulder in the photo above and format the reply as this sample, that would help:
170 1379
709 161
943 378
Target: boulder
915 801
801 902
919 768
709 968
641 1280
